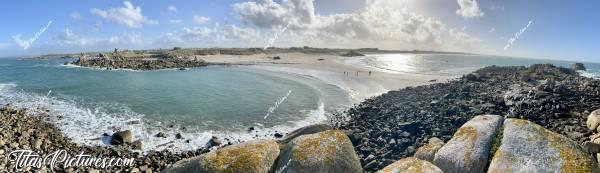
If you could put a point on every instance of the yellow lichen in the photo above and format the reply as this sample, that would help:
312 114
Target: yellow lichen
319 147
470 135
236 158
410 165
572 160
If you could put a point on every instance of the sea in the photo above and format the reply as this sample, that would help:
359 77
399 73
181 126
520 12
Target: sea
198 103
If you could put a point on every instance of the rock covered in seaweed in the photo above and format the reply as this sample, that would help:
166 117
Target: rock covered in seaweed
328 151
411 165
469 149
253 156
528 147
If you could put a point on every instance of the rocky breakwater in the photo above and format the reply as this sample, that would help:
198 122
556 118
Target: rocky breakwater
20 130
490 144
309 151
138 63
394 125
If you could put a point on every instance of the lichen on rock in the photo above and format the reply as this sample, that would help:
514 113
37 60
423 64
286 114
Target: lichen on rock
328 151
427 151
528 147
411 165
253 156
469 149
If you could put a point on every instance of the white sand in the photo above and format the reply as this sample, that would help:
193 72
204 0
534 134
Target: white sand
331 70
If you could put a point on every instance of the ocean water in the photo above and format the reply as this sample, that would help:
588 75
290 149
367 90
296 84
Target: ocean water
199 103
452 64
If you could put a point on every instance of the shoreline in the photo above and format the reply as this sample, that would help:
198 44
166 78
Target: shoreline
362 125
323 68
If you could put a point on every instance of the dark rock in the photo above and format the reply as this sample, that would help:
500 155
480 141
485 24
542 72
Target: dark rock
178 136
578 66
278 135
121 137
161 135
137 145
304 131
214 142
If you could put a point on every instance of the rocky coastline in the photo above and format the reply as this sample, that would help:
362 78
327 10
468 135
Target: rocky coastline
22 131
471 124
118 61
394 125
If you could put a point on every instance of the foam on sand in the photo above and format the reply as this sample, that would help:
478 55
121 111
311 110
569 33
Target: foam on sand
86 125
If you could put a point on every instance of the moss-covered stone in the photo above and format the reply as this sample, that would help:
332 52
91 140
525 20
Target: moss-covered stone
253 156
328 151
427 151
528 147
469 149
411 165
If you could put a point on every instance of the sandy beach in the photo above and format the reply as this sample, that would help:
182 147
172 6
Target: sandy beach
332 69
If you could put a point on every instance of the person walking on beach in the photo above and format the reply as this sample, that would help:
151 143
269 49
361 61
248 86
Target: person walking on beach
369 73
357 73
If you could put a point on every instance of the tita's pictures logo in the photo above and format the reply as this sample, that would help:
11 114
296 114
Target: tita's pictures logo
61 158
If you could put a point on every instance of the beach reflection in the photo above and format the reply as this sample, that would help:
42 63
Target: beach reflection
397 62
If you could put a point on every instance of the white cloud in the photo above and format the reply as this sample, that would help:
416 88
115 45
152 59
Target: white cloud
129 15
228 35
200 20
69 38
298 13
175 21
469 9
492 30
462 40
372 26
25 44
172 9
76 15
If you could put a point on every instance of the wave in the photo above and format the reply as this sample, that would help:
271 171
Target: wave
85 125
590 74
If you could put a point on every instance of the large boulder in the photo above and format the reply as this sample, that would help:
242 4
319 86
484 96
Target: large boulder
328 151
427 151
593 120
528 147
578 66
316 128
253 156
411 165
121 137
469 149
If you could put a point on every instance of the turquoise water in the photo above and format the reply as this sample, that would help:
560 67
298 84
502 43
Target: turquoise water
216 100
198 103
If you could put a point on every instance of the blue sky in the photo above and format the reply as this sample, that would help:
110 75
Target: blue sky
566 30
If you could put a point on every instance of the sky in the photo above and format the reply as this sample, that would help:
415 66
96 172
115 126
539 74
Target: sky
551 29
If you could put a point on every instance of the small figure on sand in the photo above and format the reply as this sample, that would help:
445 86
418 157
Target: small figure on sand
357 73
369 73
